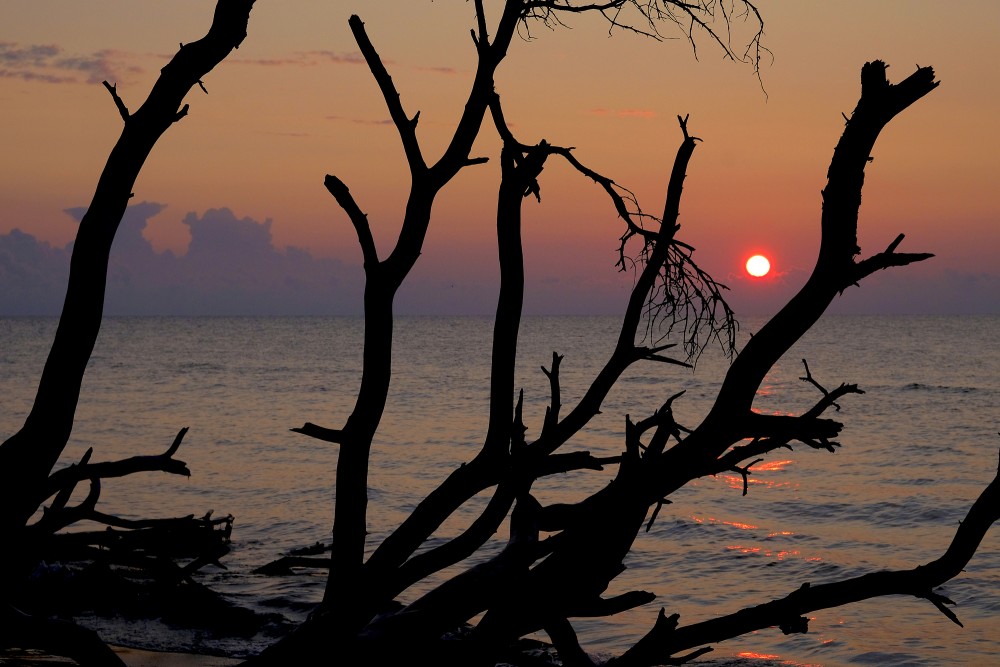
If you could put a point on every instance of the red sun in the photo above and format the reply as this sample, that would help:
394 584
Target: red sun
758 266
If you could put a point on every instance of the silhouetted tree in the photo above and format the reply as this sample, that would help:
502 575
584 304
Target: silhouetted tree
27 457
533 584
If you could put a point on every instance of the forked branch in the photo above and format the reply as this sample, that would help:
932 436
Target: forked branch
68 477
885 259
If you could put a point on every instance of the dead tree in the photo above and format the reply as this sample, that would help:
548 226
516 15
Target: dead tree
28 457
357 590
535 584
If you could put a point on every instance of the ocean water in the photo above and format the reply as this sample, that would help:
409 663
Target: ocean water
918 447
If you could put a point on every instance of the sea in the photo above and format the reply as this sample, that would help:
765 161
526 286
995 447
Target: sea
917 449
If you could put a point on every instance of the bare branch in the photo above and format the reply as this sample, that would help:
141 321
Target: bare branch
647 18
68 477
122 109
552 411
920 582
939 601
320 432
176 444
359 219
483 40
554 464
829 398
880 101
518 429
610 606
180 114
404 125
55 520
66 492
745 473
656 511
564 639
28 457
883 260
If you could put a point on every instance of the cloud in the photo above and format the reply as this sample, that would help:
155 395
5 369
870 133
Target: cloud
35 76
448 71
104 65
231 268
341 57
314 58
47 63
35 55
33 275
307 59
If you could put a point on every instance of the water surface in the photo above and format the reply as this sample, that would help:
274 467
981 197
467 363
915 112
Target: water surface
919 446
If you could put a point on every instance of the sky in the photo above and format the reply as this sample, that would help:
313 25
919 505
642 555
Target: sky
231 216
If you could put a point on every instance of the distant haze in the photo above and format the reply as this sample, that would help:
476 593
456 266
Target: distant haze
232 267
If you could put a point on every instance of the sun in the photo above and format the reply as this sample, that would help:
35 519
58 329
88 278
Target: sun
758 266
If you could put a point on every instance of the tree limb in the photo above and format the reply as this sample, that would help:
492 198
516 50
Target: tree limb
359 219
122 109
659 644
69 476
404 125
320 433
880 101
883 260
27 458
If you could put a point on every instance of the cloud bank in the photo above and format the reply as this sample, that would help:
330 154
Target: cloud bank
231 268
49 63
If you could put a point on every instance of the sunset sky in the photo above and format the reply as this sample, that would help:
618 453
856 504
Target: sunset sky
296 102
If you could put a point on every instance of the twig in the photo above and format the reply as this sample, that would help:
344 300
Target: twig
320 432
122 109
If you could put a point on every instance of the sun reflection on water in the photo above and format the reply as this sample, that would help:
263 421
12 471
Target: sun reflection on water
780 554
773 658
713 521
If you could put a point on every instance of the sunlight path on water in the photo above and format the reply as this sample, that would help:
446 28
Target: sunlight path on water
917 449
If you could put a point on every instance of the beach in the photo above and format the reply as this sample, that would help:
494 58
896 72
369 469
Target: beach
132 657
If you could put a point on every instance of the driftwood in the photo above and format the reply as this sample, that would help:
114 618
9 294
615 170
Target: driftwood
297 558
139 570
185 537
166 551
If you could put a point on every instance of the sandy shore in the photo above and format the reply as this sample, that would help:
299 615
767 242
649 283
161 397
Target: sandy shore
132 657
137 658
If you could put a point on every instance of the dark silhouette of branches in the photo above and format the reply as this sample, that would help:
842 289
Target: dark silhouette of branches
712 19
27 458
560 559
536 584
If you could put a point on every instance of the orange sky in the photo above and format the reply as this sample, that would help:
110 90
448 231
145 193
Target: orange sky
295 103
